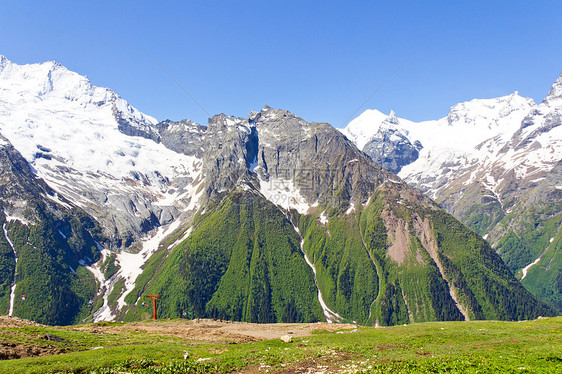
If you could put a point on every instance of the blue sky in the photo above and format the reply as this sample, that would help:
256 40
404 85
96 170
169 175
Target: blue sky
318 59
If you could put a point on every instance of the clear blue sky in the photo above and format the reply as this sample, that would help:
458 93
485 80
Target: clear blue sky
318 59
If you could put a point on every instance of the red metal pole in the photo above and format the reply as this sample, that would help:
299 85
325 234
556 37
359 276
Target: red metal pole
154 298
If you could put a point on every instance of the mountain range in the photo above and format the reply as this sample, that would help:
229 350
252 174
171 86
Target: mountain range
268 218
494 164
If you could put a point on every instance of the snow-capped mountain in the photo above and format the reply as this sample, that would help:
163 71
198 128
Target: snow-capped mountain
77 137
489 163
459 135
265 218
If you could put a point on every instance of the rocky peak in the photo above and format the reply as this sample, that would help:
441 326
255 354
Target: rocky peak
271 114
392 118
312 158
230 147
186 125
483 112
554 96
184 136
3 62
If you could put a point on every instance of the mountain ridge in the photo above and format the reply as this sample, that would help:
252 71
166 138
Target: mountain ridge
265 218
492 164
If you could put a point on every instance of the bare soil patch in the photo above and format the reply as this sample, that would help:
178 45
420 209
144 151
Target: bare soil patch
208 330
12 350
15 322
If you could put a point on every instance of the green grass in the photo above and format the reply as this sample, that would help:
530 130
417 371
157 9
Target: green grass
452 347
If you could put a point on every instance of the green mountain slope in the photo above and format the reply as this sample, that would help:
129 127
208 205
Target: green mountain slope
523 229
241 262
49 238
383 263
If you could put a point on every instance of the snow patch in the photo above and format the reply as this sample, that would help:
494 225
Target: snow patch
55 198
132 263
183 237
284 193
254 164
323 218
21 220
13 288
329 314
526 268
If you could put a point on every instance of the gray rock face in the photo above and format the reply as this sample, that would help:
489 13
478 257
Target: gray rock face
183 137
384 139
322 163
229 146
392 150
555 94
18 184
276 150
129 125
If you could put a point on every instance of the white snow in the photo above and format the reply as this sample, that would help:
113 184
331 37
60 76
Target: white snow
323 218
13 288
468 141
284 193
22 220
45 105
182 238
104 313
132 263
57 200
329 314
254 164
526 268
362 128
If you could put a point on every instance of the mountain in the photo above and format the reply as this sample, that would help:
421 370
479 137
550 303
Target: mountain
495 165
267 218
44 241
86 143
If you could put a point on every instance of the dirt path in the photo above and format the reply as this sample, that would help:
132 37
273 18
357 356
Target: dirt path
207 330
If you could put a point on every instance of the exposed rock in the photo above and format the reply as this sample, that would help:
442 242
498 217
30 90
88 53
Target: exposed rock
286 338
55 338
